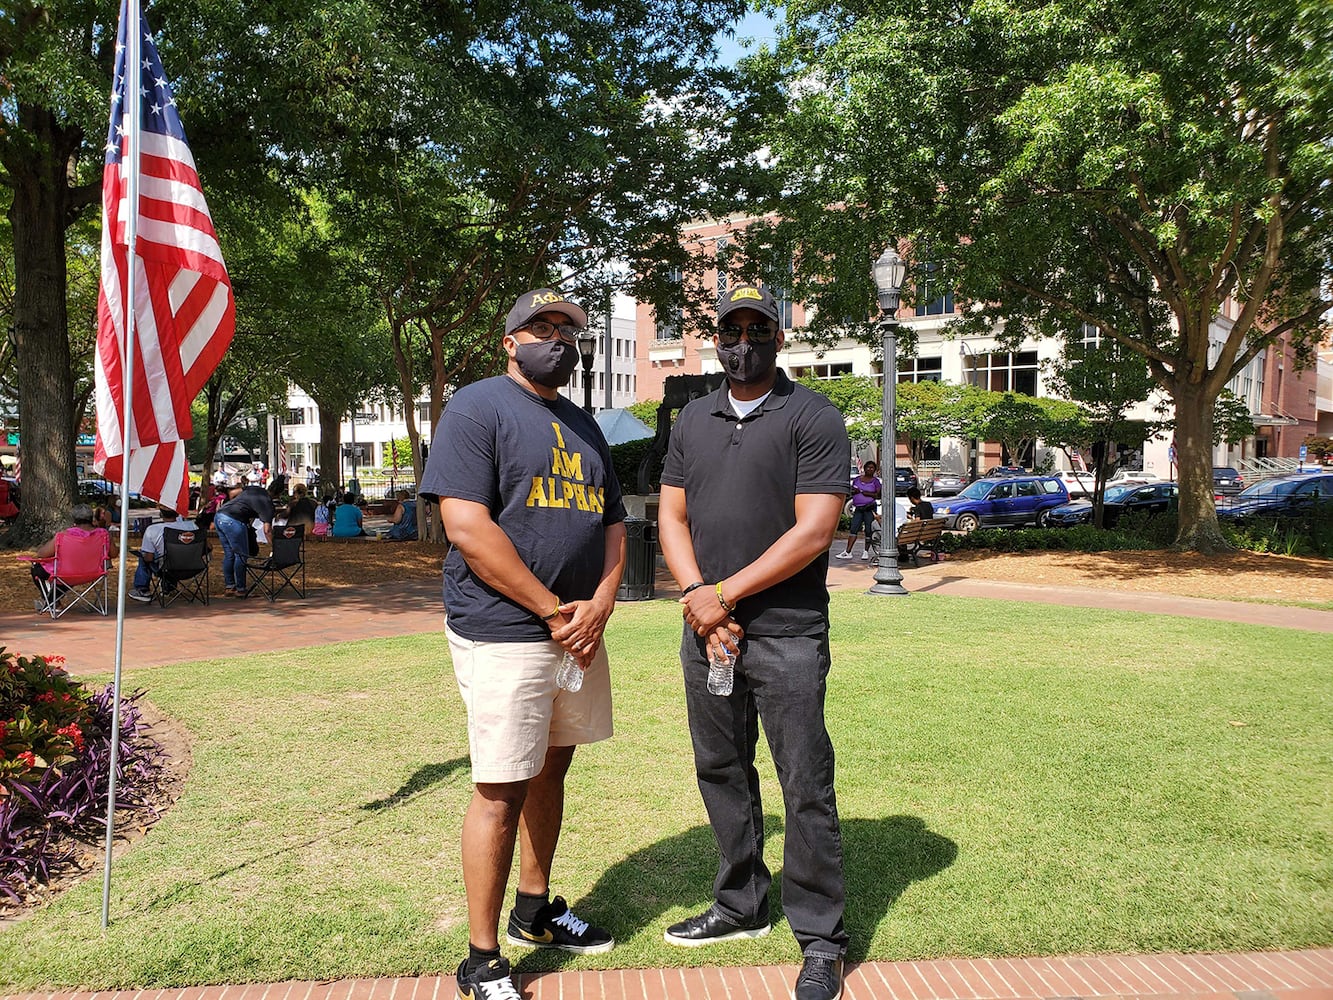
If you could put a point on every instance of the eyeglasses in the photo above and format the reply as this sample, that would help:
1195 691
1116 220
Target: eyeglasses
543 330
729 334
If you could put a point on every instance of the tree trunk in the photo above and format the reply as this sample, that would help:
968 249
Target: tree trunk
1198 528
330 445
40 211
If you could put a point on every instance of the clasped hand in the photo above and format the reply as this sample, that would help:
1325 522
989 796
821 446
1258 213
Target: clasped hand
579 627
703 611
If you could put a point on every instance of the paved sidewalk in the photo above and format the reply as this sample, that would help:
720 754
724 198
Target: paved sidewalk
1292 975
228 627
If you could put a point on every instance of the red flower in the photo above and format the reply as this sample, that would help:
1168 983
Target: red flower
66 697
55 659
27 758
73 734
4 729
46 697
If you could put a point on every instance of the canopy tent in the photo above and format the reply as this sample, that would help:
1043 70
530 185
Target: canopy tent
620 425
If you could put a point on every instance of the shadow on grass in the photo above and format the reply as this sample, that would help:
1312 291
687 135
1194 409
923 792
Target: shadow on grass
882 858
422 779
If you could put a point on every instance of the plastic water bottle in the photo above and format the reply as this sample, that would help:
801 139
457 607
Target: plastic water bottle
570 675
721 670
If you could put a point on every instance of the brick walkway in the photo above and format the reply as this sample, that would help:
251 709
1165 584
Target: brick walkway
184 632
1292 975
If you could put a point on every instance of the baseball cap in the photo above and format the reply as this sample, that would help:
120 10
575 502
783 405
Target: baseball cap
541 300
253 477
747 297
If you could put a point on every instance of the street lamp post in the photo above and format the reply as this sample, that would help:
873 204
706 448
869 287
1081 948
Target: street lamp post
889 274
587 351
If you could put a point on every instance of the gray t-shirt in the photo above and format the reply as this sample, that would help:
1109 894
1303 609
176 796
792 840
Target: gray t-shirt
741 478
543 469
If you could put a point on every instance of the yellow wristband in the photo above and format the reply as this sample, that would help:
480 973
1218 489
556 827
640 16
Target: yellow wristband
547 618
728 608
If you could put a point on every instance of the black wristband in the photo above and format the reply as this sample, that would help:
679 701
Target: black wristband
693 586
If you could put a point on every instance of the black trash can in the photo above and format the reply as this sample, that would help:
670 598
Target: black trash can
640 560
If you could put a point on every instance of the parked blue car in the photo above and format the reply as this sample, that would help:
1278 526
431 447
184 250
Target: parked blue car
1281 496
1014 500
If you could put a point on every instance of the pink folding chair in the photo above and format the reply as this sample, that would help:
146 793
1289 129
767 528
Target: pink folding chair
78 573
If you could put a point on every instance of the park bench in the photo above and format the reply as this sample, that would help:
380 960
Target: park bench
917 534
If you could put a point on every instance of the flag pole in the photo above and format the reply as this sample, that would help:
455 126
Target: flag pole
132 97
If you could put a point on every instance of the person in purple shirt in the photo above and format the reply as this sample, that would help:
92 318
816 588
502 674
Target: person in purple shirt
865 501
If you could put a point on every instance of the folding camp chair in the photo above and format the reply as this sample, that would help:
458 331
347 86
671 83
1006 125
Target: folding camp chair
78 570
183 569
284 568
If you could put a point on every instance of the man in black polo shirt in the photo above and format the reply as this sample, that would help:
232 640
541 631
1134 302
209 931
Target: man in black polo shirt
755 479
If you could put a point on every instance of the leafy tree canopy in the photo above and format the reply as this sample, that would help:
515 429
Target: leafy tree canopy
1127 165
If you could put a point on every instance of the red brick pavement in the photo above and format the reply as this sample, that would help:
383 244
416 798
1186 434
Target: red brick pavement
1289 975
192 632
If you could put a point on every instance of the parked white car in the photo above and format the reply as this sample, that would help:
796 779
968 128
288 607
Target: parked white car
1124 477
1079 484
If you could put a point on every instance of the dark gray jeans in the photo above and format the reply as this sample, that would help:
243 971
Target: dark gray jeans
780 680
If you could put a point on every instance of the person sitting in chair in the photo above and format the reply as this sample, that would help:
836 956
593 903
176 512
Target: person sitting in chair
82 516
302 509
403 519
150 552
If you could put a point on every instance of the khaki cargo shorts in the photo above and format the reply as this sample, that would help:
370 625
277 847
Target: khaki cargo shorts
515 711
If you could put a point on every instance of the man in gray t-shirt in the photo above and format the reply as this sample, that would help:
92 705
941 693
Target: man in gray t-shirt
528 497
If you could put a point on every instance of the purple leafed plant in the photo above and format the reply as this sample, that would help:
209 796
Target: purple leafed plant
55 758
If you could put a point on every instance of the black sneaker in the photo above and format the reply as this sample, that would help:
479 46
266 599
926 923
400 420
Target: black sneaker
490 982
820 979
710 927
555 926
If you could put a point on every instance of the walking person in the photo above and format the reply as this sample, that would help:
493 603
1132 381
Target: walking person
752 491
529 499
233 525
865 499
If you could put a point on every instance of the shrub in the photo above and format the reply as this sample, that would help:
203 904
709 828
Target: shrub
55 758
627 457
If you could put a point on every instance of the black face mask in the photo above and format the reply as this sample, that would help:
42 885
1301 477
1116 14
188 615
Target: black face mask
547 362
745 362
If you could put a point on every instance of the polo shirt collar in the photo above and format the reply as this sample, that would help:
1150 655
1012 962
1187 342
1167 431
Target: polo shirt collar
777 397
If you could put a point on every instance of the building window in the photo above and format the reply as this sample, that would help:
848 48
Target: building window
1005 372
920 369
669 326
830 371
721 259
934 297
295 415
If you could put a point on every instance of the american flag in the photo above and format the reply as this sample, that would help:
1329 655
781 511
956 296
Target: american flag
185 310
282 456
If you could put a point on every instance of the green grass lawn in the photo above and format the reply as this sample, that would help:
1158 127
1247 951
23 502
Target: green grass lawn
1013 779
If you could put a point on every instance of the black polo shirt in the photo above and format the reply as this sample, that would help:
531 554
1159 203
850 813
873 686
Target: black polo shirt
741 478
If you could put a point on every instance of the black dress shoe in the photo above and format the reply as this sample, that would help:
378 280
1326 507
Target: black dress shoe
711 926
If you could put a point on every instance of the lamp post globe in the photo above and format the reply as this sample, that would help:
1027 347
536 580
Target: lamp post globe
587 341
890 270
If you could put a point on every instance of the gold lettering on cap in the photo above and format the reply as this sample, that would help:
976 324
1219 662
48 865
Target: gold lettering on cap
746 292
546 299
